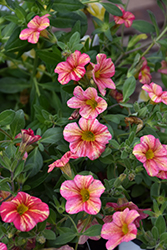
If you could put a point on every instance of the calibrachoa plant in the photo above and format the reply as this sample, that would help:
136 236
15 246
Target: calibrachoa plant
83 111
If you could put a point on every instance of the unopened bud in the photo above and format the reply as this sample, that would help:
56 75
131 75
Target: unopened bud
41 239
131 176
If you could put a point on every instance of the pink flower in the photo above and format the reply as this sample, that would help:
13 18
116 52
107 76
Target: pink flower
102 71
89 103
28 138
144 73
73 68
3 246
152 154
81 225
89 140
24 211
82 194
63 161
121 229
35 28
155 93
118 96
120 207
126 18
163 69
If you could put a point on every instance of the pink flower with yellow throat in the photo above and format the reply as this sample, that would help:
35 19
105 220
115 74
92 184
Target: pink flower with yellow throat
89 140
152 154
121 229
36 27
82 194
3 246
144 73
102 71
24 211
127 18
73 68
155 93
90 105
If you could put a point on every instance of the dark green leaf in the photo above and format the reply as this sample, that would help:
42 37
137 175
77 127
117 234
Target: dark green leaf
64 238
143 26
52 135
95 230
36 161
19 169
13 85
15 43
49 234
163 238
67 6
18 123
113 9
129 87
6 117
48 57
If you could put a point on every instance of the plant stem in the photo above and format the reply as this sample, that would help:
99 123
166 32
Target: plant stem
34 73
5 133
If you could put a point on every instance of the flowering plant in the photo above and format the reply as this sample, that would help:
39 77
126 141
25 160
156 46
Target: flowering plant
83 145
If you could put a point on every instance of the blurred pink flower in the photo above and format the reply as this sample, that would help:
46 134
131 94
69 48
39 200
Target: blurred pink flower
163 69
152 154
131 206
24 211
118 96
63 161
3 246
144 73
121 229
89 140
102 71
82 194
89 103
155 93
35 28
81 225
162 174
73 68
127 18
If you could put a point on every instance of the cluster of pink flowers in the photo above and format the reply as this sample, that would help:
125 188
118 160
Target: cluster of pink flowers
153 155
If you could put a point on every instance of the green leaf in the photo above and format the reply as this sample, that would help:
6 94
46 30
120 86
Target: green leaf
14 43
65 238
115 1
19 169
115 144
48 57
67 6
18 123
129 87
114 118
35 160
52 135
154 232
49 234
113 9
154 21
160 224
13 85
95 230
6 117
163 238
143 26
20 12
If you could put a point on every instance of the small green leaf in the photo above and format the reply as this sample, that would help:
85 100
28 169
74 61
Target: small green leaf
67 6
129 87
95 230
155 233
19 169
163 238
35 160
65 238
6 117
48 57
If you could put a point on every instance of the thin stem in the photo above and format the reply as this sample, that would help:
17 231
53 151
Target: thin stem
114 105
5 133
34 73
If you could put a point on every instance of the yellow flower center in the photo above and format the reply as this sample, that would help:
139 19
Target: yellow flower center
149 154
125 228
85 194
88 136
21 209
97 74
92 103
